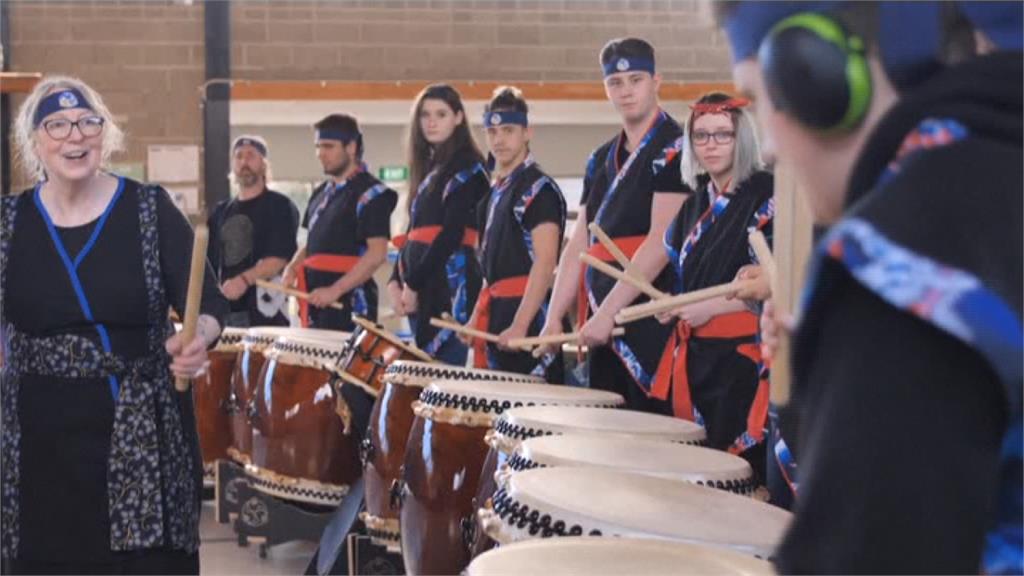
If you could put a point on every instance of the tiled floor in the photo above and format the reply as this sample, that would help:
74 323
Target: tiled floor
220 555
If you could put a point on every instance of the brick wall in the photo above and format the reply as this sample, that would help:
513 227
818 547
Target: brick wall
147 57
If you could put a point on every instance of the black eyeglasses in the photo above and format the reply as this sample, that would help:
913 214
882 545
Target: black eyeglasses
701 137
60 128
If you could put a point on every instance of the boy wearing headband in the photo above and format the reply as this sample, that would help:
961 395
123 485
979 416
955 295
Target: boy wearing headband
522 224
348 219
632 189
252 237
908 354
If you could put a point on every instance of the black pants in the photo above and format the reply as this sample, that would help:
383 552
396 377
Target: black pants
608 373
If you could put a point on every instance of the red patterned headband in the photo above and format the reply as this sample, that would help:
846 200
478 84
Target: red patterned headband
729 105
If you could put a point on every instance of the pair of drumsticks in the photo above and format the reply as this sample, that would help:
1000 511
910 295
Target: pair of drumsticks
660 301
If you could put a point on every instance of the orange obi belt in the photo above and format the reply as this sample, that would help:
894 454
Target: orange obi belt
672 375
324 263
514 287
427 234
628 244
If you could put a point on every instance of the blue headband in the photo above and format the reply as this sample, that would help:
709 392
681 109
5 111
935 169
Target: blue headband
1000 21
748 24
343 137
250 141
628 64
66 99
492 119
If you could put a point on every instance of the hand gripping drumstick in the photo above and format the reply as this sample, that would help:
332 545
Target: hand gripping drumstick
292 292
195 294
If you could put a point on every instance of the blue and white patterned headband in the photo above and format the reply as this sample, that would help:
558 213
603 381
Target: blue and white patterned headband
628 64
67 99
492 119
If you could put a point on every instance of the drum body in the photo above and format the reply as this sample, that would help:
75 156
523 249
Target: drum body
444 459
520 424
211 393
299 449
369 352
385 444
244 379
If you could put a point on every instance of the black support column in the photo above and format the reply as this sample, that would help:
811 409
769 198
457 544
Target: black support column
217 105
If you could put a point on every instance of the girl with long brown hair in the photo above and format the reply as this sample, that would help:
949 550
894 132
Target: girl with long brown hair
437 272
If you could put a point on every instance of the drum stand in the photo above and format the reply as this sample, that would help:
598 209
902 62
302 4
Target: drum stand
276 521
228 478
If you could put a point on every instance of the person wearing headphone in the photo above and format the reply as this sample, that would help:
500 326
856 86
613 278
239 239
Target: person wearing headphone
348 219
908 354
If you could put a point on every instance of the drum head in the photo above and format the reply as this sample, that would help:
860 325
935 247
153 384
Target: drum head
602 502
528 422
640 456
614 556
315 350
421 374
513 394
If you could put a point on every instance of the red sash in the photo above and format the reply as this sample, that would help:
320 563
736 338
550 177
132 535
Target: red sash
427 234
672 374
628 244
514 287
324 263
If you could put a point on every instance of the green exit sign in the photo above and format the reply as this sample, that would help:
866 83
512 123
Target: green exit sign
393 173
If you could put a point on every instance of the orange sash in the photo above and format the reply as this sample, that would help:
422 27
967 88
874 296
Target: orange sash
514 287
325 263
628 244
672 372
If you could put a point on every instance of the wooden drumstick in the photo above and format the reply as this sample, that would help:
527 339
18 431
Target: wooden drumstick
195 294
764 256
533 341
461 329
621 276
293 292
619 255
648 309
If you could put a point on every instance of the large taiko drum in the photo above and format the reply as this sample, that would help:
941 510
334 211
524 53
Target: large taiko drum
572 501
370 351
300 450
211 393
614 557
519 424
390 422
244 379
444 457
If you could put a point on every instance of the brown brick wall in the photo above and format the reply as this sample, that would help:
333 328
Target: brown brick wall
147 57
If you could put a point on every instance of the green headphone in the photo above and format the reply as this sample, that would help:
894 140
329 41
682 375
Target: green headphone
815 71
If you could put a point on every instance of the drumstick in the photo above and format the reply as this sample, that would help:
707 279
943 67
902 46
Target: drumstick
293 292
648 309
461 329
621 276
195 294
532 341
616 253
764 255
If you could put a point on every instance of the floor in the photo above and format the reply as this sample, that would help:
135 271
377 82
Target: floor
220 555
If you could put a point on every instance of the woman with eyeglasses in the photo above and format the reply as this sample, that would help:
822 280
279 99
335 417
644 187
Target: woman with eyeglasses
100 463
712 362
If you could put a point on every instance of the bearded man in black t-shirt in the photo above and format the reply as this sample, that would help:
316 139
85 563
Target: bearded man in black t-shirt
252 236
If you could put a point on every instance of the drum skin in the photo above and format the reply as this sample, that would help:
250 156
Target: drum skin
390 423
296 431
244 381
442 472
211 393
